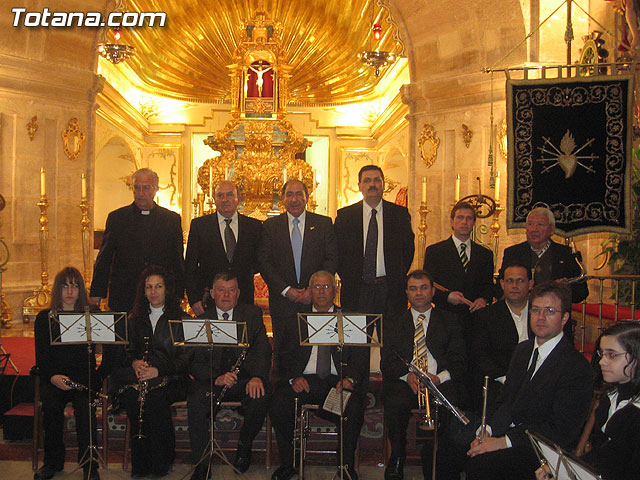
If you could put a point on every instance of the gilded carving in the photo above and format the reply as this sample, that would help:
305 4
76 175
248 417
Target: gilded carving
73 138
428 144
32 127
467 134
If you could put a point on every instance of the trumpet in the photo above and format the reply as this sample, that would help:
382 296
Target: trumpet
426 422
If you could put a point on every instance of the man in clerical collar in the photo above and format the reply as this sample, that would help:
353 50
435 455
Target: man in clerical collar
136 236
309 373
249 385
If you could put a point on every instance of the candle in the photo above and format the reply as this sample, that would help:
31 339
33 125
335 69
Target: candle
457 191
497 187
211 181
424 189
300 174
226 173
84 186
43 190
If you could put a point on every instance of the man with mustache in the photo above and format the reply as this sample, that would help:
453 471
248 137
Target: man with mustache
376 249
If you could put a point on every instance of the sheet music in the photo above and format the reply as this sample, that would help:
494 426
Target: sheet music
322 329
73 328
332 402
195 331
354 328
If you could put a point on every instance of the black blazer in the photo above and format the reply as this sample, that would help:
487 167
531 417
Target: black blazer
444 341
555 403
442 261
294 358
132 243
258 360
493 340
207 257
319 252
398 252
563 265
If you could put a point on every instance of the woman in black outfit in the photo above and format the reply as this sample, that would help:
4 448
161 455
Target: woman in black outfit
59 364
163 369
615 440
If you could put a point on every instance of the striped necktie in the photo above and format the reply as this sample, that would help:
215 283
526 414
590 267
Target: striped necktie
420 340
463 256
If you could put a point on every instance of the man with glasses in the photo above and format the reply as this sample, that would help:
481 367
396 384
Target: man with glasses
497 330
309 373
136 236
548 390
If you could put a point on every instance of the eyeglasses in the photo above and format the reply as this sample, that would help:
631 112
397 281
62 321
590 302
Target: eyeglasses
609 355
544 311
321 287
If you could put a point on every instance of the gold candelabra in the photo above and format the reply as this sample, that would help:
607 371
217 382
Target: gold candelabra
86 240
41 296
423 210
495 232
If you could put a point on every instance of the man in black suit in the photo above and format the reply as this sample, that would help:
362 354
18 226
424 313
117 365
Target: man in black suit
225 241
426 334
546 259
294 245
376 250
249 386
463 267
309 372
497 330
548 390
136 236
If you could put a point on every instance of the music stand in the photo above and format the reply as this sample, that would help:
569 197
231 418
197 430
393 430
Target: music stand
87 328
211 333
340 329
563 465
6 359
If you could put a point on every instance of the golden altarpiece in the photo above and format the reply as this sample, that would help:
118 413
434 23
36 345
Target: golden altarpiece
258 146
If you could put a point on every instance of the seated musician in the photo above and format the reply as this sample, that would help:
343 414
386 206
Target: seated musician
309 373
548 389
615 438
152 357
59 364
249 385
424 334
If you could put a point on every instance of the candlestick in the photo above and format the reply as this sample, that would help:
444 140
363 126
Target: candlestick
83 177
43 189
424 189
497 195
457 190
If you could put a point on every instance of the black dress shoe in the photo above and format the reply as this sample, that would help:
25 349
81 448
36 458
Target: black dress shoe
284 473
46 472
395 469
243 458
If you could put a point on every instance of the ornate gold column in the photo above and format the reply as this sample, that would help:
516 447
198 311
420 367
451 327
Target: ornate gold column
86 234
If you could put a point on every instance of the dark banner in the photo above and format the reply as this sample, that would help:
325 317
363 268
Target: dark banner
570 150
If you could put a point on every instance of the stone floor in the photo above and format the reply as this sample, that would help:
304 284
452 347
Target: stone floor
19 470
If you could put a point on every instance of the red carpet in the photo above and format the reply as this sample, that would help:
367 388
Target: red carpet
23 354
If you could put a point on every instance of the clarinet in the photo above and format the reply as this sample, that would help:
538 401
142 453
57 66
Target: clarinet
80 387
235 369
143 390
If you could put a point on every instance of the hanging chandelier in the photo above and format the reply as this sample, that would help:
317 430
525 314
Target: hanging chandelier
376 58
115 52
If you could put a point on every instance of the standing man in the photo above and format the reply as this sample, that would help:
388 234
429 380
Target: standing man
376 249
546 259
497 330
225 241
422 334
309 372
135 237
548 390
464 268
250 385
294 245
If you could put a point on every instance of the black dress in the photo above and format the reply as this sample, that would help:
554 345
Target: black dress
74 362
155 452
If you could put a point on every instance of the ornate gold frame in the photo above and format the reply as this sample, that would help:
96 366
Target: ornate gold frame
73 138
428 144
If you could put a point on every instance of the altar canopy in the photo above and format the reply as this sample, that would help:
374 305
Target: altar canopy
570 150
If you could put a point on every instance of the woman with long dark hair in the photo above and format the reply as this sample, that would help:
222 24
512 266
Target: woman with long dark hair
59 364
153 358
615 440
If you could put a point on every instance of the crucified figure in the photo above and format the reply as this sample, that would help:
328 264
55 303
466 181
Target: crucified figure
259 80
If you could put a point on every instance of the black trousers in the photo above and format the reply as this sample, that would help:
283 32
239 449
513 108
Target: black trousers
54 401
282 416
156 451
199 409
398 400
